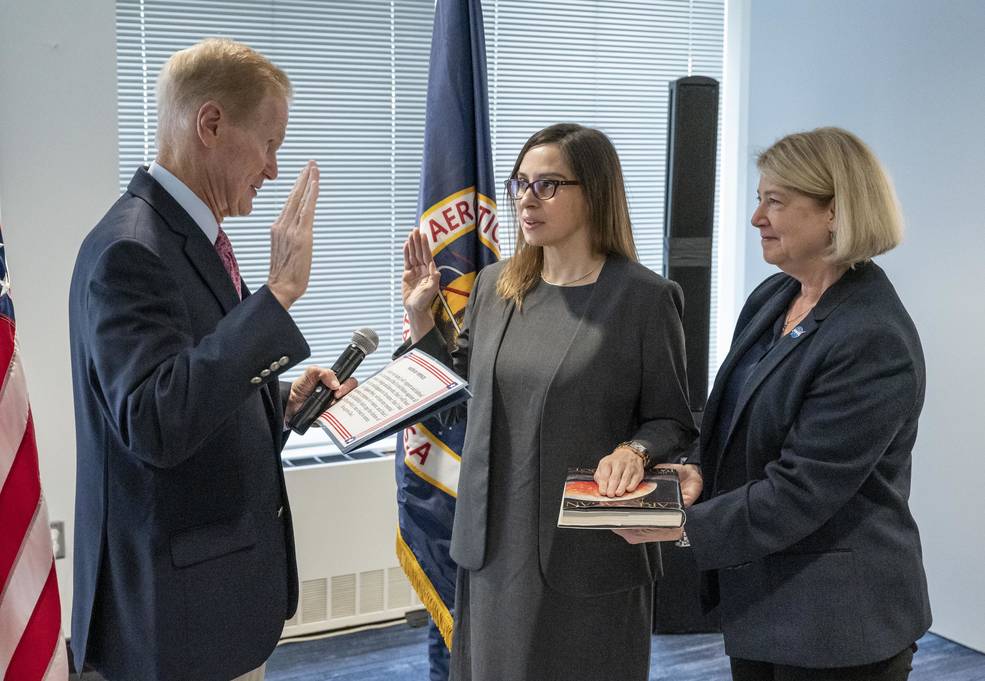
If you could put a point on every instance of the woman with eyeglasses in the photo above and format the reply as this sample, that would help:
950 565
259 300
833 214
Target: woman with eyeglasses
575 356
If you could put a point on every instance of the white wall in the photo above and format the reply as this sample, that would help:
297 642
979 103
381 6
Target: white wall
908 76
58 170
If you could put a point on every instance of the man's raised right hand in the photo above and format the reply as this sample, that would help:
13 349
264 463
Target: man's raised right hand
291 239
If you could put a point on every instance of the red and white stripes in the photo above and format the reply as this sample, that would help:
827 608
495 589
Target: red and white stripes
31 644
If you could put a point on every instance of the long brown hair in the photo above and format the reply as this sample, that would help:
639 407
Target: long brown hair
595 164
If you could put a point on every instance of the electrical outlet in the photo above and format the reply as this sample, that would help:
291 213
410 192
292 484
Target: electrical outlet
58 538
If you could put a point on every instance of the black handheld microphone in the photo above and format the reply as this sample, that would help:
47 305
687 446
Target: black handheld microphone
364 342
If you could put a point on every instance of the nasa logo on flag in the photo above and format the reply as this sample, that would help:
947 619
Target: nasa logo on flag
459 214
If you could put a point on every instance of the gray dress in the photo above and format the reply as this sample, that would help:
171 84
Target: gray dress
510 625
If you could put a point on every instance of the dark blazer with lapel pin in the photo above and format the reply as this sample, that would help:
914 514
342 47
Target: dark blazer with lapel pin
622 377
184 549
818 558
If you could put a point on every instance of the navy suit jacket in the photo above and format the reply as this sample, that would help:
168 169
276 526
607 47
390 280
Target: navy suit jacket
184 550
817 556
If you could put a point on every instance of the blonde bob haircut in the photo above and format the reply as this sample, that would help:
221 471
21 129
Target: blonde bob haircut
833 166
595 164
218 69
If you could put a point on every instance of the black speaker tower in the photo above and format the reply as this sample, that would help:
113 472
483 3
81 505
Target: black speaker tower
689 217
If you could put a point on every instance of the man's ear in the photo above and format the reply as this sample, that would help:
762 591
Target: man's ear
207 122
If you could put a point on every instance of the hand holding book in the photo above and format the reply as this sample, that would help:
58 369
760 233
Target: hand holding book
692 483
643 535
691 486
655 502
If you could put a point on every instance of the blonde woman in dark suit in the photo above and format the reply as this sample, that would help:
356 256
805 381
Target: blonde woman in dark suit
805 531
575 356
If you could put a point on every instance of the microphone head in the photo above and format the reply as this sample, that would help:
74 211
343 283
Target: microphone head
366 340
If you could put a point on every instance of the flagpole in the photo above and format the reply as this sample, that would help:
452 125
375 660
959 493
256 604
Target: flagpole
451 315
456 169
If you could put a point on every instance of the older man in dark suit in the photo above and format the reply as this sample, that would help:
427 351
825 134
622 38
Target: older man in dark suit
184 551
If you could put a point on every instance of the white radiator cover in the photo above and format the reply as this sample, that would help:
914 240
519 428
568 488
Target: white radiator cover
345 528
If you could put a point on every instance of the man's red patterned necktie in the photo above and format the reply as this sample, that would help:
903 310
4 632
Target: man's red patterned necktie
225 250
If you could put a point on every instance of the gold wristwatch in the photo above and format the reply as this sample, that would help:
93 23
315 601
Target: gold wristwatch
637 448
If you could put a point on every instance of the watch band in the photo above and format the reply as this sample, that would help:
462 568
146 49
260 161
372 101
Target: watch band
637 448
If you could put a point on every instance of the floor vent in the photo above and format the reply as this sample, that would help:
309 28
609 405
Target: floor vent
371 591
343 596
314 600
398 589
345 526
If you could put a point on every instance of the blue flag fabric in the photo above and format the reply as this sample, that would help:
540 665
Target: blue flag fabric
457 214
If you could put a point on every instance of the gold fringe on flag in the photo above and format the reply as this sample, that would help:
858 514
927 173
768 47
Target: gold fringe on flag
425 590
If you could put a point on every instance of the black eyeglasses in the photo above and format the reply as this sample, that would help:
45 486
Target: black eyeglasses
543 189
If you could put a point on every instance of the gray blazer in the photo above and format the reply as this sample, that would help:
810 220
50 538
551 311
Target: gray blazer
622 377
818 558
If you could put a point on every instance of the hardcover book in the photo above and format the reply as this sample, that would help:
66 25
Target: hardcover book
656 502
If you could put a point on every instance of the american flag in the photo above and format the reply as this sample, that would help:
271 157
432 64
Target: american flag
31 643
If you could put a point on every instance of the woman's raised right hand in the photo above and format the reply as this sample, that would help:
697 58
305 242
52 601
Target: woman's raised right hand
421 279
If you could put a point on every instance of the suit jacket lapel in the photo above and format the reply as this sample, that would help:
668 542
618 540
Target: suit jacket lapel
753 330
838 292
200 252
831 298
483 353
759 323
783 347
210 267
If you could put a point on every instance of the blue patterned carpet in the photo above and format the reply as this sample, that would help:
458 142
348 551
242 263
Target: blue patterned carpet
399 653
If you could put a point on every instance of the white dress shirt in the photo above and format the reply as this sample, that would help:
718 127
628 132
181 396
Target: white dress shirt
187 199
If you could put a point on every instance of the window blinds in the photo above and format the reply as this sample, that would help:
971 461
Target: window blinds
359 71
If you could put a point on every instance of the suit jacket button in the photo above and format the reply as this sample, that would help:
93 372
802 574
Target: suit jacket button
265 373
256 380
274 366
283 361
